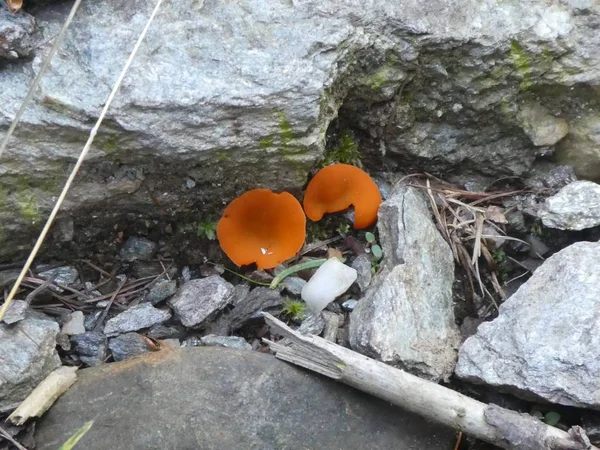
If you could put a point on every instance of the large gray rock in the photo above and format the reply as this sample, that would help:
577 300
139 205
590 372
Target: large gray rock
197 300
27 355
135 318
575 207
225 91
214 398
406 316
545 342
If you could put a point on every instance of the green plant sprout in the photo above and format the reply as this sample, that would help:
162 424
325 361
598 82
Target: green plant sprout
207 230
294 309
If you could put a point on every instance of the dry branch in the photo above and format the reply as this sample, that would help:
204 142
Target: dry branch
501 427
44 395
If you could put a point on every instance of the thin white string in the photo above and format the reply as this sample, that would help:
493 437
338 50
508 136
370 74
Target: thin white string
82 156
38 78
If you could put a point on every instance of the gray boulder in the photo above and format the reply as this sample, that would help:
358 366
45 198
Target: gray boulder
27 356
575 207
211 98
215 398
545 342
406 316
197 300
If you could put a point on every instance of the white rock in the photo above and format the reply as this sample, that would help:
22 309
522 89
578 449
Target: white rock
330 280
574 207
74 325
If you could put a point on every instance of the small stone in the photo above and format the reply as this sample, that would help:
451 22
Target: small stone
91 320
190 184
128 345
16 312
349 304
27 355
226 341
574 207
137 248
332 324
74 324
65 275
312 324
135 318
294 285
248 305
166 332
542 128
198 299
537 248
330 280
362 265
161 290
63 341
91 347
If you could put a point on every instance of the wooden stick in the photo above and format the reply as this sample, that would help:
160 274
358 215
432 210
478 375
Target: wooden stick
501 427
44 395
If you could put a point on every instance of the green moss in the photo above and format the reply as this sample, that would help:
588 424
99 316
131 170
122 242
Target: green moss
27 206
345 151
107 143
316 231
521 63
223 156
266 142
286 133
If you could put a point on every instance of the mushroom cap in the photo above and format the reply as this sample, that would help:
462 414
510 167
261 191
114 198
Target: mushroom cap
262 227
334 188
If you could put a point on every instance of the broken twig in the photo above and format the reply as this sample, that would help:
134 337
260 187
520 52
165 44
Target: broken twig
499 426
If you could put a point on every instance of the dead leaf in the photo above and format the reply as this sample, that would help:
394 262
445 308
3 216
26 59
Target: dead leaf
14 5
495 214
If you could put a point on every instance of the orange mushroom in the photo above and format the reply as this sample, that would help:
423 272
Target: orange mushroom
336 187
262 227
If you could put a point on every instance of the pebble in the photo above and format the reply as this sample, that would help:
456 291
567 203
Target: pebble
16 312
91 347
362 265
226 341
137 248
312 324
65 275
74 324
166 332
162 290
332 324
135 318
349 304
294 285
198 299
128 345
330 280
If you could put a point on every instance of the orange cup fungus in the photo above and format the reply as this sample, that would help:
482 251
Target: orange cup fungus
262 227
334 188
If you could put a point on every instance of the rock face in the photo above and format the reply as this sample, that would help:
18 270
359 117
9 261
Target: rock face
406 316
225 99
214 398
575 207
545 342
27 355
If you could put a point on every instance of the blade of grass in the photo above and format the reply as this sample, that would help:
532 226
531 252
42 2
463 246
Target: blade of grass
73 440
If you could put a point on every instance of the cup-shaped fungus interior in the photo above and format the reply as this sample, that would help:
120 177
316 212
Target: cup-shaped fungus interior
335 188
262 227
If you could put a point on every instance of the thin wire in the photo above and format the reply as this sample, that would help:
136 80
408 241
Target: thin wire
82 156
38 78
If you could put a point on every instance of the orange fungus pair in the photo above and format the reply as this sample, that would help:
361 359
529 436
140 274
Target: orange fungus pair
262 227
336 187
266 228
